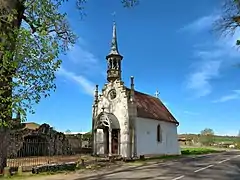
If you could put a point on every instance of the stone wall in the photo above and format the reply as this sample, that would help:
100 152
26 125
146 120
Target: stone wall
75 141
42 141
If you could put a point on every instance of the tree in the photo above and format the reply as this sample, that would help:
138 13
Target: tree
87 136
68 131
207 136
33 33
229 21
207 131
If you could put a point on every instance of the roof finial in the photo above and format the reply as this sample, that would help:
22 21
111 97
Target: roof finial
157 94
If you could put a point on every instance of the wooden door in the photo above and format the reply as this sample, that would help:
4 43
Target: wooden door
115 141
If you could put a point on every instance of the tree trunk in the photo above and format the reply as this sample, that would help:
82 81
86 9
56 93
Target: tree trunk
7 39
4 139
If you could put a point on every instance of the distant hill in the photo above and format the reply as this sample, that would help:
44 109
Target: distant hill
217 138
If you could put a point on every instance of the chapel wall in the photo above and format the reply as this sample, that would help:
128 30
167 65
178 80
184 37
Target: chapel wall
147 143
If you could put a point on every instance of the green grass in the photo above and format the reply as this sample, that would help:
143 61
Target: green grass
198 151
185 152
217 139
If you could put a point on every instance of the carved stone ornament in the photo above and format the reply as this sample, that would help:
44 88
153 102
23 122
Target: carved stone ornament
112 94
104 121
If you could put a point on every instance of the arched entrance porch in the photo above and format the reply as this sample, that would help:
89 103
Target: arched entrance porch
107 135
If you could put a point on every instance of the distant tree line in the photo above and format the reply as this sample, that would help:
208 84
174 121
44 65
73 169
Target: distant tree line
207 137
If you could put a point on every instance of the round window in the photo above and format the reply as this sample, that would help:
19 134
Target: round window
112 94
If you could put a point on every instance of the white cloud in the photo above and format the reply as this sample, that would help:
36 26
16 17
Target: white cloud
199 80
83 60
83 82
190 113
213 56
233 96
203 23
79 55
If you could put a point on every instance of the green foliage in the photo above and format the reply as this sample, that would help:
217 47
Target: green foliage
207 136
68 131
197 151
207 131
87 136
32 36
216 139
30 53
55 168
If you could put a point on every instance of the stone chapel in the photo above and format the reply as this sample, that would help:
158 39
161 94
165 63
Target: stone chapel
129 123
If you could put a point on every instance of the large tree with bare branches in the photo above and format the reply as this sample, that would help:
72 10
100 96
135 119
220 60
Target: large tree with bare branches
33 33
229 21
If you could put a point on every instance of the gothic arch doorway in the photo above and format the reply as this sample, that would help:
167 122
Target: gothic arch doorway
107 135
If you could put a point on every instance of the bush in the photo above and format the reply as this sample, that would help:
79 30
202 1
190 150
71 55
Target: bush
54 168
197 151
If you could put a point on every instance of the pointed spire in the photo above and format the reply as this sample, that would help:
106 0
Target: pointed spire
132 90
96 95
114 45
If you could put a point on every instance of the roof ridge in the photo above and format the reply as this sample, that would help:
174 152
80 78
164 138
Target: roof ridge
147 109
144 93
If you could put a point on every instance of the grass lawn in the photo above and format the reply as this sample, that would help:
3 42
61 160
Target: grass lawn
187 151
198 151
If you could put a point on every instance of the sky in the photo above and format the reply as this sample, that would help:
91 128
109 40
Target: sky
167 46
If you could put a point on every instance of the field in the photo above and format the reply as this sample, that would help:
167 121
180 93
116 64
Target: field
186 151
217 139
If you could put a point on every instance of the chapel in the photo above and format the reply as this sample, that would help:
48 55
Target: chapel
127 122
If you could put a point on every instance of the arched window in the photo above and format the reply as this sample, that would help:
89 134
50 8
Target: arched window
159 133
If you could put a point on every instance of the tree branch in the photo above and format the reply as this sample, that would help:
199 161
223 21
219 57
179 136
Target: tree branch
32 26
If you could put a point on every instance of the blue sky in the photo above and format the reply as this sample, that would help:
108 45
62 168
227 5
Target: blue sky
167 46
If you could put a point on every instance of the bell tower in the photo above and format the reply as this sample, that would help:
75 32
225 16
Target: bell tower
114 59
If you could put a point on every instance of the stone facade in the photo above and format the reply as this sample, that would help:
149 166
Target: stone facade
117 107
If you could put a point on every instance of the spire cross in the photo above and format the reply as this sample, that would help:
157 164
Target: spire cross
157 94
114 15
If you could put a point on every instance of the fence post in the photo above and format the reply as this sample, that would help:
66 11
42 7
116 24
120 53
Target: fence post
6 171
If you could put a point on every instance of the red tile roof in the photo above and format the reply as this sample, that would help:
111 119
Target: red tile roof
152 108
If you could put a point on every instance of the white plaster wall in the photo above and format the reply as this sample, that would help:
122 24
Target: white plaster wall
147 143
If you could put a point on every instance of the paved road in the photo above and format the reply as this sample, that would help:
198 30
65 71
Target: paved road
223 166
